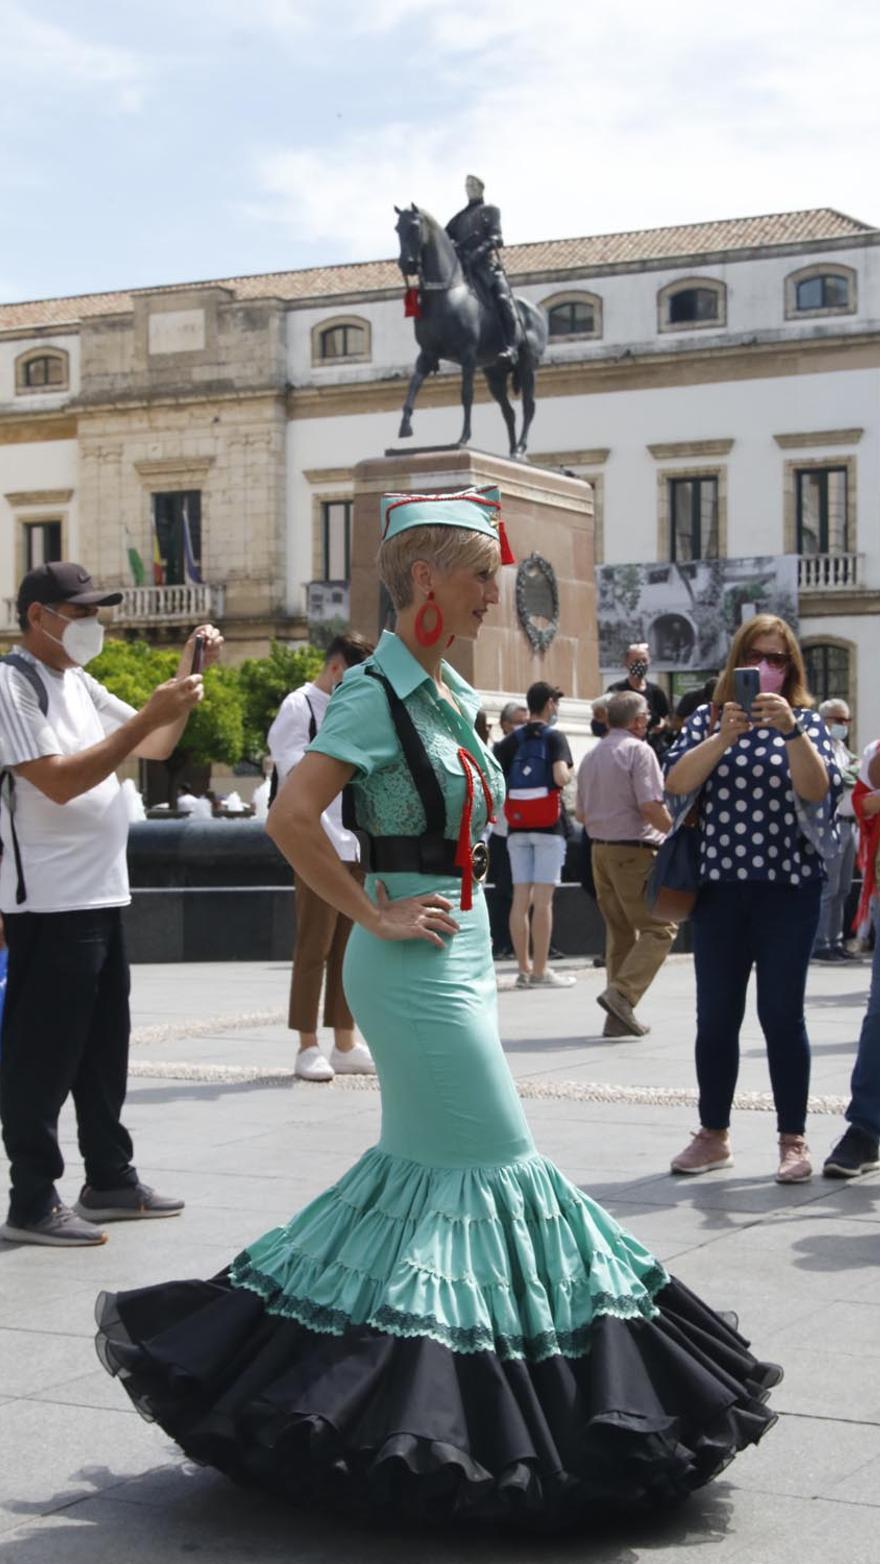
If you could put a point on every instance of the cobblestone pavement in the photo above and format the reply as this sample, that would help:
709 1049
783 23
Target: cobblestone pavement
218 1118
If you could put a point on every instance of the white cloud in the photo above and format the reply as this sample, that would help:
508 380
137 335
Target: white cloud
587 118
34 50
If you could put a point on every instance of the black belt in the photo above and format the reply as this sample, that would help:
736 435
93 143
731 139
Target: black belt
419 855
624 841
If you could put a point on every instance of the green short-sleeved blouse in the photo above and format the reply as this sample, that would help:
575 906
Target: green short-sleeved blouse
358 729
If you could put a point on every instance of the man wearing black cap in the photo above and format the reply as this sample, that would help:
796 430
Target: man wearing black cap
536 762
63 884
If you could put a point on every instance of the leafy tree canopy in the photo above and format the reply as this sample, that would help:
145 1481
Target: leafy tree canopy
264 682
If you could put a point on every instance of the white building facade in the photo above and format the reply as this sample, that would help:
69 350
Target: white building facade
718 384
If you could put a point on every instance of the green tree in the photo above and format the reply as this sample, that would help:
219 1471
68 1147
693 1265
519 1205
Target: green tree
215 730
264 682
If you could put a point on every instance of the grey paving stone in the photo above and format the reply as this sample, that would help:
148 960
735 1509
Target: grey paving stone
861 1487
51 1456
31 1361
808 1457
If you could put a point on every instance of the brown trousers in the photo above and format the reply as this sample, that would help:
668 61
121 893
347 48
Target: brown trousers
637 943
321 937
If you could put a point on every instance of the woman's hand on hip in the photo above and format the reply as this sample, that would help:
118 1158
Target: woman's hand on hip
413 917
734 723
773 711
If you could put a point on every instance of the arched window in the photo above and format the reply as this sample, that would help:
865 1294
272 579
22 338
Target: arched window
823 289
346 338
692 303
829 665
573 315
42 370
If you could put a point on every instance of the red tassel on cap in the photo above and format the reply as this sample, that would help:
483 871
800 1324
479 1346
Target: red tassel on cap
412 308
464 856
507 555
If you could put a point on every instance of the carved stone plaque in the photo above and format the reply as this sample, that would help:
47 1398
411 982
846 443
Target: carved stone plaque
177 331
537 601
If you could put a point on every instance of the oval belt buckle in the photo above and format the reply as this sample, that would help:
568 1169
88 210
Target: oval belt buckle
480 861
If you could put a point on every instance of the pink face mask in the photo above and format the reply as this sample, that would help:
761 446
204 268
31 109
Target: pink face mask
772 679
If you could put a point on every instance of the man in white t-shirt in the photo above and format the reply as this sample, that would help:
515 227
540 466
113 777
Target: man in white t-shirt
321 932
63 884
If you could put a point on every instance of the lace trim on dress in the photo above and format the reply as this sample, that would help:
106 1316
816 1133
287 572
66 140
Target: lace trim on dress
459 1338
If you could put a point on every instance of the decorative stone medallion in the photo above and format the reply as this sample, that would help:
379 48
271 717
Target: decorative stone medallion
537 601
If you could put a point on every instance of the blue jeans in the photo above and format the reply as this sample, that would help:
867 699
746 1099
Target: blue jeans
769 927
864 1107
831 933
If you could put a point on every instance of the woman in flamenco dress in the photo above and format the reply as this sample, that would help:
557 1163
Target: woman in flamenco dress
453 1329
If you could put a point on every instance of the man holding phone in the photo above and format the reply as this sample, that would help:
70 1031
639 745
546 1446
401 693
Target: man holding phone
63 885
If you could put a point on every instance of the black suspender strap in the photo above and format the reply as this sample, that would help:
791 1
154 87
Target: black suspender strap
416 757
313 730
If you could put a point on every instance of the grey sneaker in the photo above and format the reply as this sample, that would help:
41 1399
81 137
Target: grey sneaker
130 1204
523 980
551 979
62 1228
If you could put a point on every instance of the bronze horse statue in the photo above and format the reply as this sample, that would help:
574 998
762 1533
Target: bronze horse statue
456 323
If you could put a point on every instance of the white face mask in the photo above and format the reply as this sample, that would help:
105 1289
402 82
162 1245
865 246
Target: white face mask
838 730
82 639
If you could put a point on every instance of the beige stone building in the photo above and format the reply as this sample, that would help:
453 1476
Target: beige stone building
718 384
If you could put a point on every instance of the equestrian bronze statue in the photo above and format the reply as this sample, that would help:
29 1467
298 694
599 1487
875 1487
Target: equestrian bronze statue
464 311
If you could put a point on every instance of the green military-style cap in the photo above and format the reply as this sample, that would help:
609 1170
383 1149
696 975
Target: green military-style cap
477 510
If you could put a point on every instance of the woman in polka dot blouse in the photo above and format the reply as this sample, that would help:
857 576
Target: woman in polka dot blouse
768 788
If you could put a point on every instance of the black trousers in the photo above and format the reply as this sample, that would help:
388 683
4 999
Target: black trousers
65 1030
501 900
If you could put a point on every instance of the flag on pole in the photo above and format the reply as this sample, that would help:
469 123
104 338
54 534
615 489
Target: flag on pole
136 565
158 561
193 572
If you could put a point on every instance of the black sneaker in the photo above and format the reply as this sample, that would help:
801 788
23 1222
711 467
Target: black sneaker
824 953
62 1228
856 1152
130 1204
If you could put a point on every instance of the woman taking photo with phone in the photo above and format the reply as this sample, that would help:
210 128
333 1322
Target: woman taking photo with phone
767 786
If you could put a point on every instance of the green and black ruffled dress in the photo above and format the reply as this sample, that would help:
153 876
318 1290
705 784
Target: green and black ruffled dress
453 1326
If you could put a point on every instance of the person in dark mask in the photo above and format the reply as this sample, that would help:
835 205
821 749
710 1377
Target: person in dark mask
637 662
599 719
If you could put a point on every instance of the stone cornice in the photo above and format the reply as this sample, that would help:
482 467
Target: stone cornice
25 428
595 457
699 366
174 467
40 497
673 448
813 437
322 475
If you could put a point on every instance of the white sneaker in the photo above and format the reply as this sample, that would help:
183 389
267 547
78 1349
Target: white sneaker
353 1061
523 980
311 1065
551 979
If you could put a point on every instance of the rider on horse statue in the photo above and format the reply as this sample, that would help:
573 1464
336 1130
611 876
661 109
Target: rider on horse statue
476 233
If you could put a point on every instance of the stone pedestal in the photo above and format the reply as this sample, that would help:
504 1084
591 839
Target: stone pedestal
545 513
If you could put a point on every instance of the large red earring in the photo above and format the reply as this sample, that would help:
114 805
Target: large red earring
429 622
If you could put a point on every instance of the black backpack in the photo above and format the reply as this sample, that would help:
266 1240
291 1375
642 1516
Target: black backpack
28 672
313 729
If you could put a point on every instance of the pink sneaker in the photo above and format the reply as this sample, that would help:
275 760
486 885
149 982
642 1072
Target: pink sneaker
795 1166
708 1150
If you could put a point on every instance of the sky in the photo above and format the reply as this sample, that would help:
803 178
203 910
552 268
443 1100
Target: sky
183 140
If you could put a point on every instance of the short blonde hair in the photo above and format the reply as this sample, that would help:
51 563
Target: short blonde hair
795 687
446 548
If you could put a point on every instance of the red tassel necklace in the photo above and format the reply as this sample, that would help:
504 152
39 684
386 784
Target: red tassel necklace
464 851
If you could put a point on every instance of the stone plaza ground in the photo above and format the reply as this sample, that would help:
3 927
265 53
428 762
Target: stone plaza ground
217 1118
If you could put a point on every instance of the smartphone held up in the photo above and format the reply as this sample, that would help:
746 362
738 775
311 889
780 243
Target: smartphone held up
198 657
746 688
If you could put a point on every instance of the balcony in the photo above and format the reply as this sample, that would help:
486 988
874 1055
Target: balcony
327 600
158 605
829 572
170 605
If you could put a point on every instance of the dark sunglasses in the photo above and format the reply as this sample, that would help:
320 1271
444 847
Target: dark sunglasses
774 659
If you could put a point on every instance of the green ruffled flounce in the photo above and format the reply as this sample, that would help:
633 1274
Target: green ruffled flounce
511 1259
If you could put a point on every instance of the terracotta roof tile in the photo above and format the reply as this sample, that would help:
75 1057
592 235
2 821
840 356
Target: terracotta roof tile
548 256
